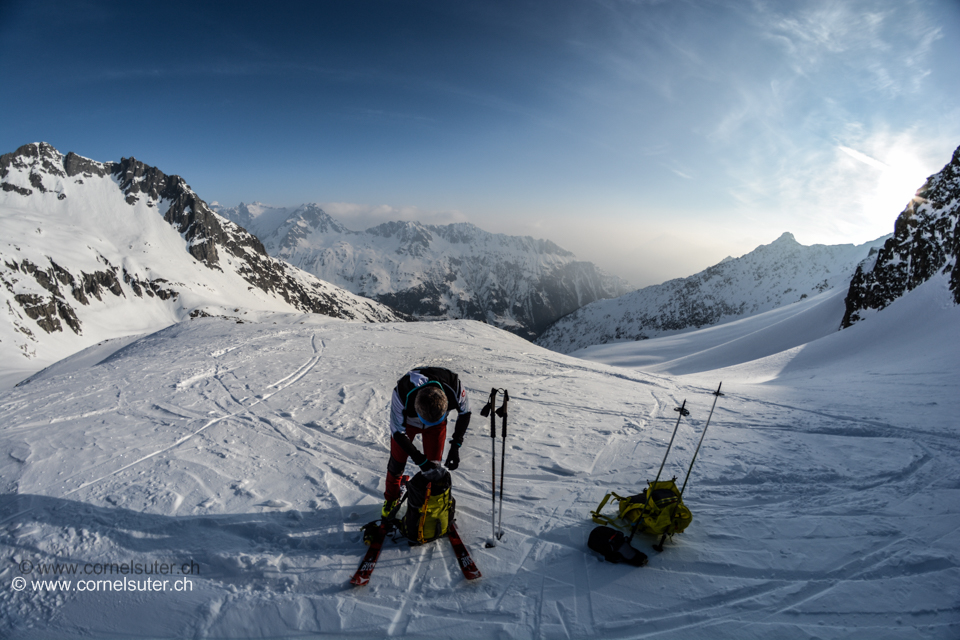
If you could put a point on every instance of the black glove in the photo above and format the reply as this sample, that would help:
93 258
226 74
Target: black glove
418 458
431 471
453 458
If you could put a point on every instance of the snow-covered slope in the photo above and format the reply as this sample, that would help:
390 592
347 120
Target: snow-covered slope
92 251
450 271
925 242
770 276
727 344
759 348
247 456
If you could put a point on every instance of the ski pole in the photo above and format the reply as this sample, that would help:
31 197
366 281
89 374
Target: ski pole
488 411
502 412
682 410
716 396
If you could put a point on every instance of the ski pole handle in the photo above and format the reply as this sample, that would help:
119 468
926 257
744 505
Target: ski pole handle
488 410
502 412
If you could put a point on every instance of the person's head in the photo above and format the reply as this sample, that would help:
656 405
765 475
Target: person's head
431 405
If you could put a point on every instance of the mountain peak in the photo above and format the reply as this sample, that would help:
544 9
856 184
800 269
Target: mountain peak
786 238
35 158
944 186
772 275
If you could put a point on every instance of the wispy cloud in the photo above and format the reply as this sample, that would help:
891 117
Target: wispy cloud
884 45
834 193
363 216
862 157
831 135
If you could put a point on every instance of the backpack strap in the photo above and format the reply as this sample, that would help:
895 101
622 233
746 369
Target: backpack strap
423 514
628 510
601 519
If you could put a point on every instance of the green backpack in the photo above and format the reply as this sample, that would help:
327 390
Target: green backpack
659 508
430 508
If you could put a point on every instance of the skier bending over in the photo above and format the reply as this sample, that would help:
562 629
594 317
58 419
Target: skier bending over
419 406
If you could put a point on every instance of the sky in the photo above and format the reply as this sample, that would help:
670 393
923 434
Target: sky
651 138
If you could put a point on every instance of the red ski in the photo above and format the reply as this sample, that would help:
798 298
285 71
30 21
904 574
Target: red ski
375 536
470 571
369 562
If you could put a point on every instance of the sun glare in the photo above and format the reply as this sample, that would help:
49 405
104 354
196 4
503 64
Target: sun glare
897 183
886 182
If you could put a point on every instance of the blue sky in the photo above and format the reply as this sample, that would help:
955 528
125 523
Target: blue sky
652 138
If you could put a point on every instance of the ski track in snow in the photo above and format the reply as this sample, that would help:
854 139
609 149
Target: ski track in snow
293 378
804 513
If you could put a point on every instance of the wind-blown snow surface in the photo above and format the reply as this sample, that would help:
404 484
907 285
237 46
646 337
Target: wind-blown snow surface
257 451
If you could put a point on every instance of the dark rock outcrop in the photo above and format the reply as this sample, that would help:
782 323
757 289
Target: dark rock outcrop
925 242
47 311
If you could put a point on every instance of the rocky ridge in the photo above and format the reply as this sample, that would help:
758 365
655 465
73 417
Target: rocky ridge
134 220
925 243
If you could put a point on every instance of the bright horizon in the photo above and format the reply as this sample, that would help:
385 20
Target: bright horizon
651 138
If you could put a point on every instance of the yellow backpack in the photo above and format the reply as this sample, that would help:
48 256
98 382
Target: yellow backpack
659 508
430 508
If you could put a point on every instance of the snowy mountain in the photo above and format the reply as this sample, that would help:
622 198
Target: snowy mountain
780 273
243 459
520 284
95 250
925 242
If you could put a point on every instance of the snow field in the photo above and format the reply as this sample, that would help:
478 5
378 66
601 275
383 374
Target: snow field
257 450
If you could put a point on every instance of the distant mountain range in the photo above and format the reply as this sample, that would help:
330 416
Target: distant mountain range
94 250
925 243
768 277
520 284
